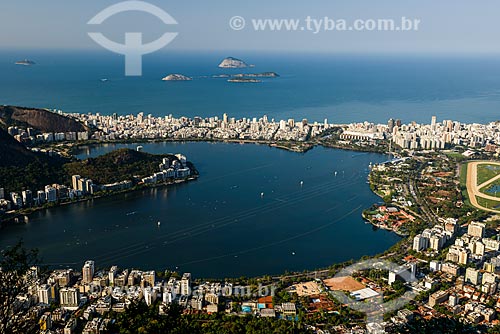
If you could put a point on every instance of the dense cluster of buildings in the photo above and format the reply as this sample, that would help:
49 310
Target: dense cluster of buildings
414 136
27 198
118 127
472 265
435 238
433 136
93 293
30 135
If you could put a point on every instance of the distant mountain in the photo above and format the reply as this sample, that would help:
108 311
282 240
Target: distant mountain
231 62
39 119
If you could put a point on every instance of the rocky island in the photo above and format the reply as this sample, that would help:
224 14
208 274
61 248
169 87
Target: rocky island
257 75
231 62
25 62
177 77
244 80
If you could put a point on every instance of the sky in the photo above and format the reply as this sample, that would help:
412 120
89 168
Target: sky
446 26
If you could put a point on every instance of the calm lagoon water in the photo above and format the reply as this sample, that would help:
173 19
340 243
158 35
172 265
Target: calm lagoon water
219 225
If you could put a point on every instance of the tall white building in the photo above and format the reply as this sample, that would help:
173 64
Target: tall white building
112 274
69 298
186 284
476 229
44 294
50 194
88 271
420 243
74 180
149 295
472 276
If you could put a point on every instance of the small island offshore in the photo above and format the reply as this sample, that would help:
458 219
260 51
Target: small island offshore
438 190
229 63
25 62
177 77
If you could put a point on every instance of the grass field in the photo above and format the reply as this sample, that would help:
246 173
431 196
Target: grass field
463 183
489 204
457 156
486 172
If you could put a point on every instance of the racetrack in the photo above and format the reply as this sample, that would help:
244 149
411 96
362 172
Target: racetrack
473 189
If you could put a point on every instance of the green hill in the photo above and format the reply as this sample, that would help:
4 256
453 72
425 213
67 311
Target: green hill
117 166
21 168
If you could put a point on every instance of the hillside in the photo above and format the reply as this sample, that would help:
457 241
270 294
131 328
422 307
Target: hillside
13 153
117 166
39 119
21 168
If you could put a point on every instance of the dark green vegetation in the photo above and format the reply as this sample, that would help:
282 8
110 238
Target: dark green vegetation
38 119
117 166
21 168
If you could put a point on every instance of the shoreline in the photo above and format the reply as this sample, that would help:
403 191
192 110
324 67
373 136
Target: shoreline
26 213
299 147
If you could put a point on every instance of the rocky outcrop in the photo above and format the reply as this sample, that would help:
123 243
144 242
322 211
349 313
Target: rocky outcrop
231 62
177 77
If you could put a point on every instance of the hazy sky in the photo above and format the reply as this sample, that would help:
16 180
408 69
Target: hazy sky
447 26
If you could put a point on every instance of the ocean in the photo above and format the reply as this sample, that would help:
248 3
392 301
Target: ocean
341 88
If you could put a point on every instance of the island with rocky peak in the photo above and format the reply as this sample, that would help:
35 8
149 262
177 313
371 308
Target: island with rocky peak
231 62
177 77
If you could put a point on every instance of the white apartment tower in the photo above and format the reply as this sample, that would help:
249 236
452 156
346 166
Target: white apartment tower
88 271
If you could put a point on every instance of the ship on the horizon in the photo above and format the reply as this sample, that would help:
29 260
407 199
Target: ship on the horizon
25 62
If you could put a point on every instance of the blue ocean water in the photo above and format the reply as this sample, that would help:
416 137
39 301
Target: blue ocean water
342 88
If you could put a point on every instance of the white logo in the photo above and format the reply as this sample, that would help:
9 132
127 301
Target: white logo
133 49
374 307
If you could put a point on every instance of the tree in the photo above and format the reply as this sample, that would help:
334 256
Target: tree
15 279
